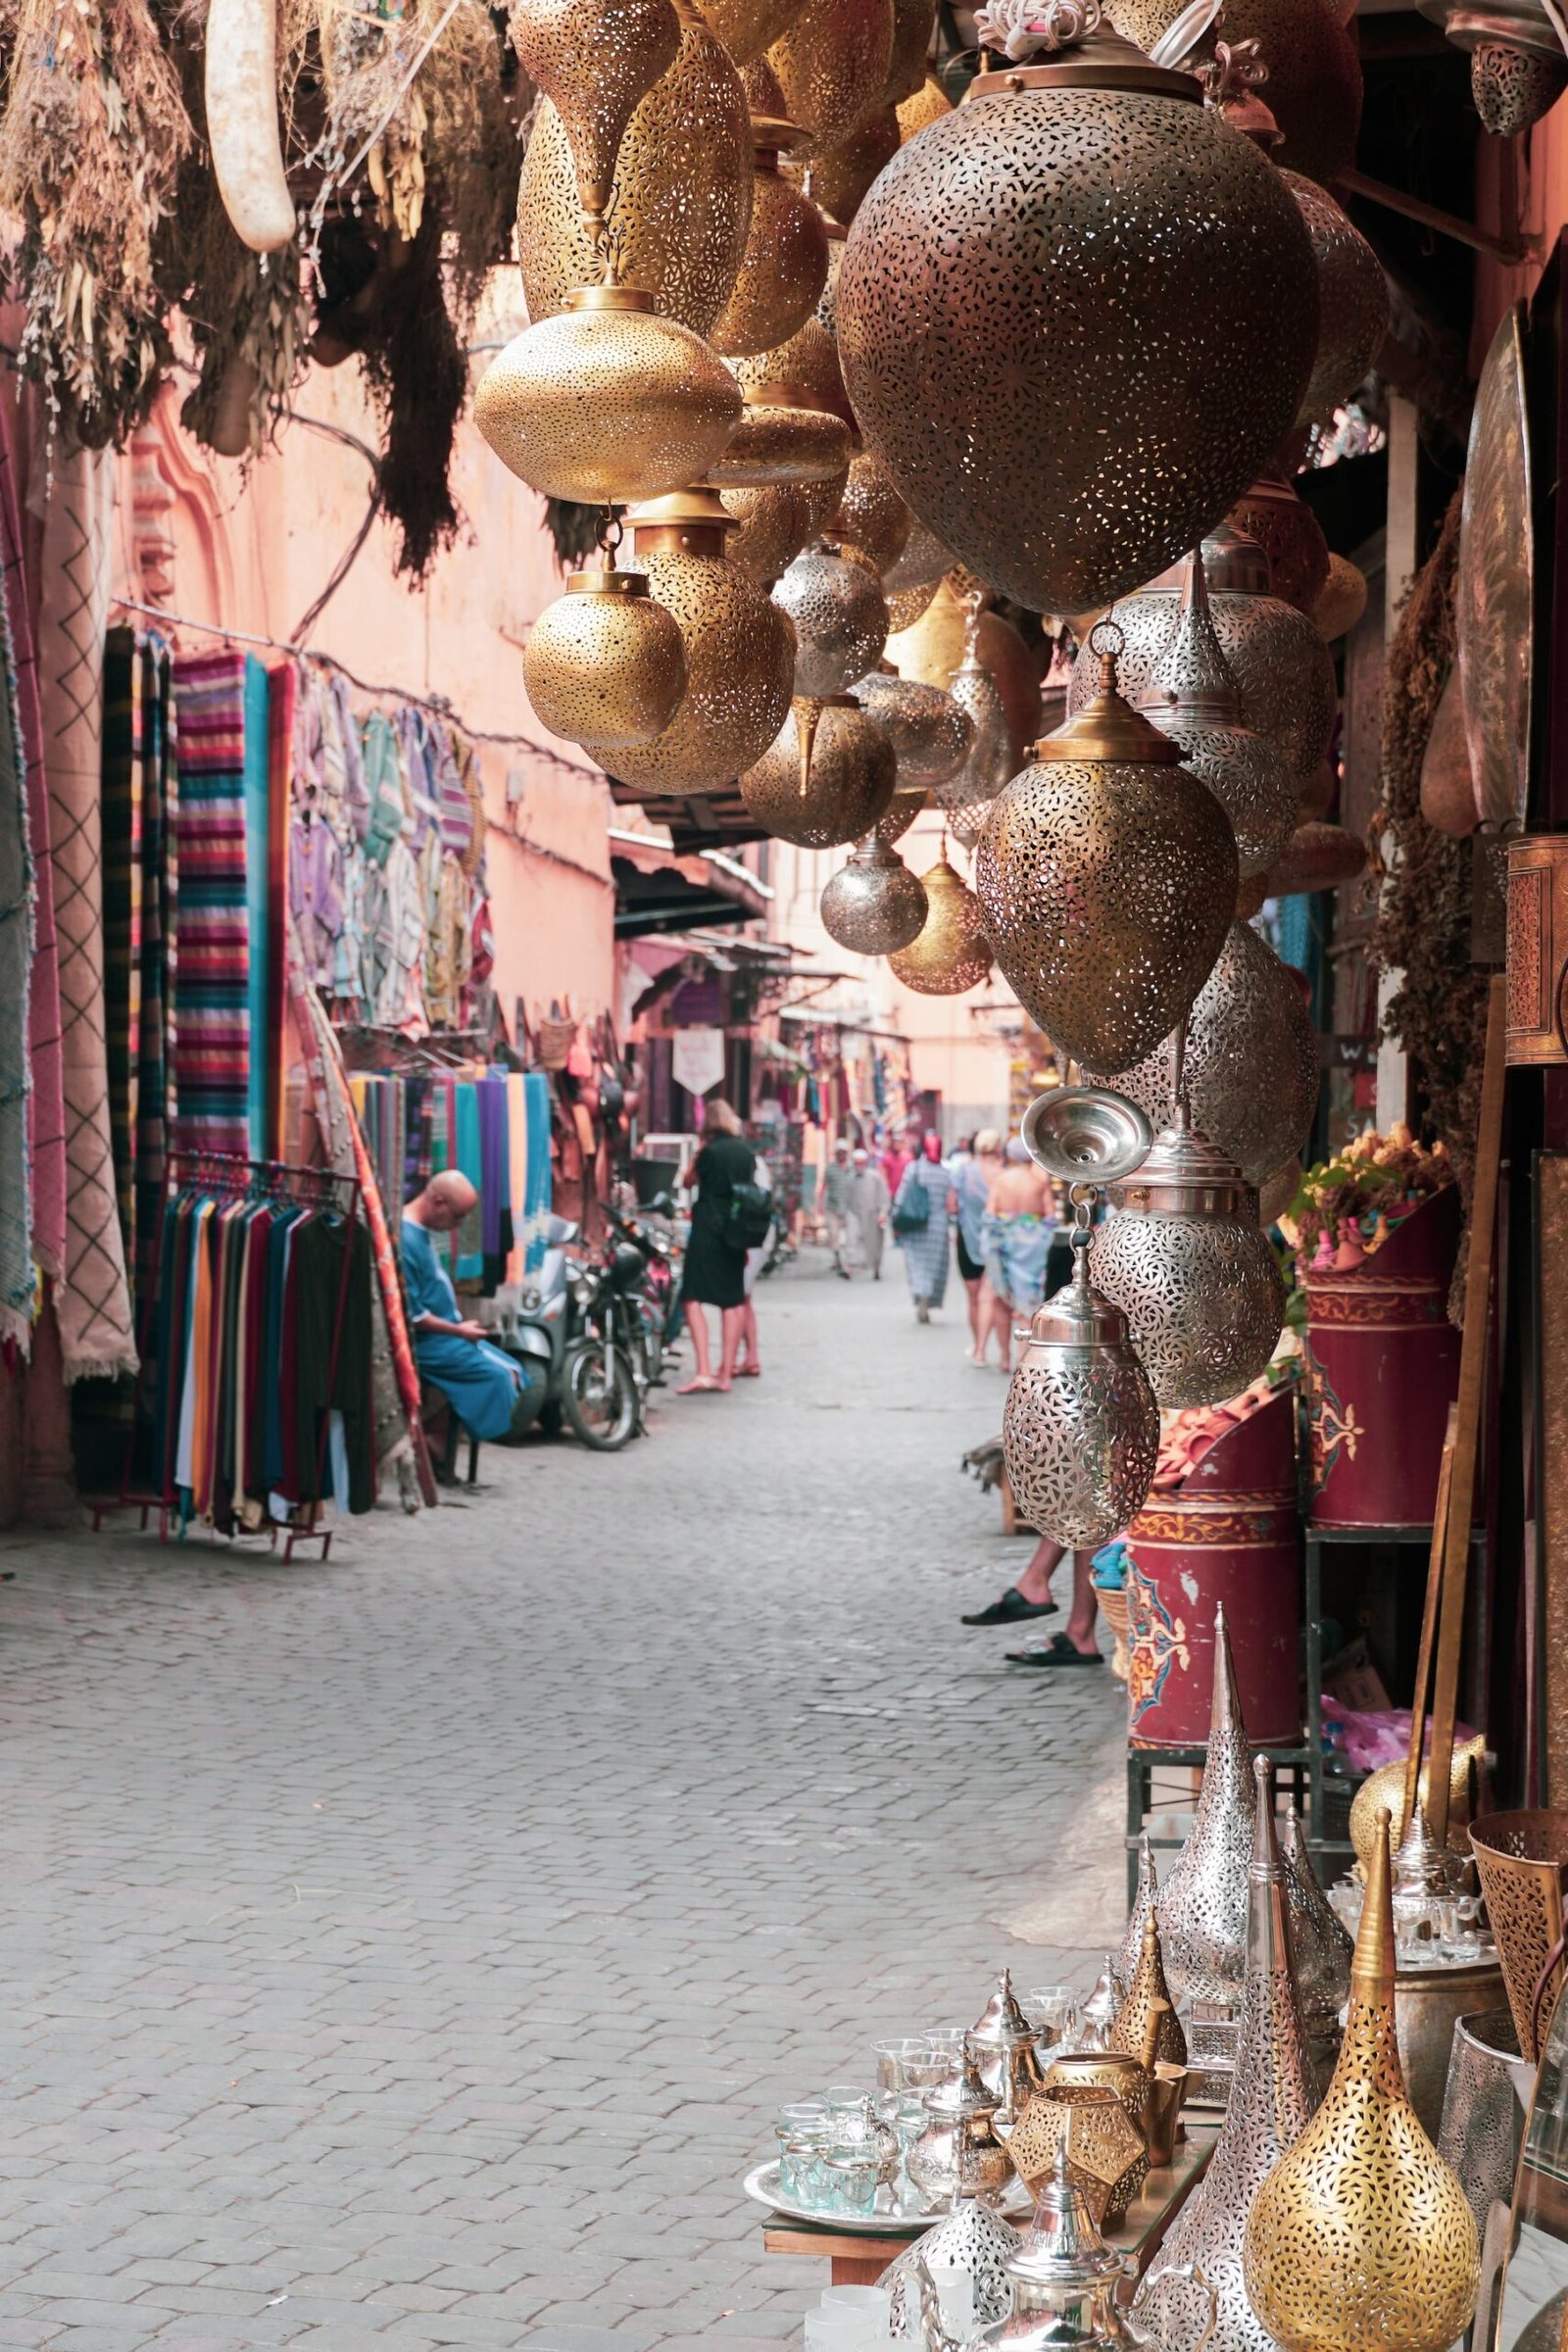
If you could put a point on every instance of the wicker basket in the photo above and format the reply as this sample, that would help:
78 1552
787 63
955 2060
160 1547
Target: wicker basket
1116 1610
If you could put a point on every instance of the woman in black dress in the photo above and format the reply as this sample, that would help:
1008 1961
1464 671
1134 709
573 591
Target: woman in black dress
716 1265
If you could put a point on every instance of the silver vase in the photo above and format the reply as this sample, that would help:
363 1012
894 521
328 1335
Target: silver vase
1203 1907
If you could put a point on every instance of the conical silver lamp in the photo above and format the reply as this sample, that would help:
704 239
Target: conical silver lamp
1202 1908
1320 1940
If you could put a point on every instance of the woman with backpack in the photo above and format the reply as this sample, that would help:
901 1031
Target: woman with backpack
728 1207
920 1210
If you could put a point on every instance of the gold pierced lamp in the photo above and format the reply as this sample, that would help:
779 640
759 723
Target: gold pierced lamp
784 268
930 735
1353 301
832 61
826 778
873 905
871 516
748 27
595 63
951 953
774 523
604 664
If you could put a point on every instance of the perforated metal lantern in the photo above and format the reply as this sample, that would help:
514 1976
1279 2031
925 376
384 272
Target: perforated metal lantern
990 762
841 621
931 736
832 61
682 201
1317 857
747 27
873 905
604 664
1341 601
740 652
1353 301
913 22
1107 875
903 810
1202 1904
775 523
594 62
841 174
1289 535
1320 1942
1314 69
871 516
781 440
1193 698
933 647
1074 318
825 779
785 262
949 954
1517 68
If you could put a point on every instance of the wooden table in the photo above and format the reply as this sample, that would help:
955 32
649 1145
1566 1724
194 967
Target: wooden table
858 2257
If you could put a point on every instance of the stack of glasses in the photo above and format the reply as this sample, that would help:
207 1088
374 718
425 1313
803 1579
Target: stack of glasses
850 2319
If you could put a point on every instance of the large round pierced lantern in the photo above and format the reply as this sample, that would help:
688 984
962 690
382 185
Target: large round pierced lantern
951 953
1080 1432
1314 69
873 905
774 523
1289 535
604 664
840 618
832 61
1193 697
1353 301
1107 875
607 402
785 263
1074 318
930 734
740 651
594 64
825 779
1517 68
682 201
1183 1256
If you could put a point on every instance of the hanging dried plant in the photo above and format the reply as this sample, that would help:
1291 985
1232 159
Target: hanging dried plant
250 322
419 374
90 142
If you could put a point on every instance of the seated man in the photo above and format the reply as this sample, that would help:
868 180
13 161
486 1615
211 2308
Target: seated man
487 1390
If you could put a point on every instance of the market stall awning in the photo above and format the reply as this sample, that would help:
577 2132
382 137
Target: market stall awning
658 889
696 820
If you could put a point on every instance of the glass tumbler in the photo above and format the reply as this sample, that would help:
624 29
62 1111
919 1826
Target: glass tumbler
1053 2008
892 2059
801 2131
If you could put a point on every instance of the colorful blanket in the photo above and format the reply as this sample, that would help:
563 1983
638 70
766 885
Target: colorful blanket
211 1006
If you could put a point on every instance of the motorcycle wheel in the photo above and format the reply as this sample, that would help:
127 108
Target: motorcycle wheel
599 1395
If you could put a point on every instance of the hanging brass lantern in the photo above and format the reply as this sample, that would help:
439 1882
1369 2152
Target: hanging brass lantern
966 798
1314 69
781 441
873 905
594 63
921 564
1203 1905
1341 601
839 177
822 498
871 516
1282 668
806 366
935 647
1272 2099
840 618
1251 1064
774 526
785 263
1193 697
906 605
1183 1256
903 810
1088 208
1107 875
682 202
747 27
950 953
1517 68
1147 2010
913 22
832 61
927 103
930 735
1289 535
607 402
1361 2237
604 664
740 655
1353 301
825 779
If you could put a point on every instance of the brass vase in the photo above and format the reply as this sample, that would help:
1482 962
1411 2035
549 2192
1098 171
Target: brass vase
873 905
604 664
840 618
1320 1942
747 27
740 654
785 261
1087 207
682 201
594 63
825 779
1145 2025
774 523
1289 535
1203 1905
832 61
607 402
1272 2099
930 734
1360 2237
1314 70
1353 301
1107 875
871 516
950 953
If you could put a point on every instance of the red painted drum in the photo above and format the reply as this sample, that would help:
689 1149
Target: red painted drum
1383 1370
1227 1535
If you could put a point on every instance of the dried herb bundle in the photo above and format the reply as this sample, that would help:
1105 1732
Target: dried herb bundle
419 374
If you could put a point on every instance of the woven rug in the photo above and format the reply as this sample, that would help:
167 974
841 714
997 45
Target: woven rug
212 978
15 957
159 906
93 1303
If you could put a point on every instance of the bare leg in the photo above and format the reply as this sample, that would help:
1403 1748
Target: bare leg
1034 1582
1080 1626
730 1329
748 1339
1002 1325
697 1324
977 1322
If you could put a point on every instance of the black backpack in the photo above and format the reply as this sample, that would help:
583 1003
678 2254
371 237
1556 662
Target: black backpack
748 1215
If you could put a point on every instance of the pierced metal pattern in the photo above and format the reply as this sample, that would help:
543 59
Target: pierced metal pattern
1514 88
604 666
1251 1065
1320 1942
740 658
831 60
913 22
1353 301
682 205
848 785
1081 1434
594 64
1107 886
872 516
1483 2120
976 2240
774 521
1094 2105
923 564
1315 71
1147 1998
1204 1294
1203 1905
1282 668
931 736
1252 780
747 27
873 905
783 269
1289 535
1520 1859
951 953
905 807
808 365
842 174
1125 1959
1023 292
775 443
989 763
841 621
1493 614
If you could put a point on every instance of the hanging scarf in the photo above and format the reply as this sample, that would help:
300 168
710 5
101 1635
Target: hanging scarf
124 681
516 1170
16 958
158 893
536 1196
468 1156
211 987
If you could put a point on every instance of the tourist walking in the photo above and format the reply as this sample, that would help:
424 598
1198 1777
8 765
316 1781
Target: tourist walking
838 1200
870 1202
715 1254
973 1176
920 1210
1017 1230
897 1155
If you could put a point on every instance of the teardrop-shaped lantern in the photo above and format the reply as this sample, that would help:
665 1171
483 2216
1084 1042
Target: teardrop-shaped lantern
873 905
949 954
1251 1064
1203 1905
1147 2008
832 61
930 735
604 664
1126 1958
825 779
747 27
872 518
1353 297
1282 668
1291 536
1107 875
1087 208
607 402
935 648
1193 698
1314 68
775 523
1272 2098
1320 1942
594 60
740 655
785 263
927 103
682 201
1361 2236
1513 85
841 621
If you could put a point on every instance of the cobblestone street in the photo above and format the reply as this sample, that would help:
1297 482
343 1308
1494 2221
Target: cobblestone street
412 1950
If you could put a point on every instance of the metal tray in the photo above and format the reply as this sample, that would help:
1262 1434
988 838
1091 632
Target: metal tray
889 2218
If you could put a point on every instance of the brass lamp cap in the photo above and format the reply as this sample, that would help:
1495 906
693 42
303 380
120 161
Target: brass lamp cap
610 298
597 580
1102 61
1107 729
697 505
772 134
1185 1174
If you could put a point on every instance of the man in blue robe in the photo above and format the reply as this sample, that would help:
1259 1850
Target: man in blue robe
484 1387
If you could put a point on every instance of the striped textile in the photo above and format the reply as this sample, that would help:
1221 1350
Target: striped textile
16 959
536 1195
124 679
212 1047
155 1103
257 786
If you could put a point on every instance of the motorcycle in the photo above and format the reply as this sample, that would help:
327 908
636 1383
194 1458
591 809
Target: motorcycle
657 1295
604 1376
534 1320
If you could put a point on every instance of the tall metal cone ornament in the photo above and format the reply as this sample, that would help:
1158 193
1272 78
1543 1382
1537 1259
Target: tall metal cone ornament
1202 1911
1361 2238
1319 1938
1124 1962
1271 2102
1147 2009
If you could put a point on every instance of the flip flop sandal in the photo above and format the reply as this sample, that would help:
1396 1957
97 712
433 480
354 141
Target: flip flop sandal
1058 1651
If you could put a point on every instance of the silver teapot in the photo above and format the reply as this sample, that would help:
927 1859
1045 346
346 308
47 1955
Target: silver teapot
959 2153
1007 2048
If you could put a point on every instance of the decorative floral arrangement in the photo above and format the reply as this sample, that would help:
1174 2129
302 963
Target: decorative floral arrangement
1346 1207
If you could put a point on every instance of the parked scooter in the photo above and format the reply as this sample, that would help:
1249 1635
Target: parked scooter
533 1320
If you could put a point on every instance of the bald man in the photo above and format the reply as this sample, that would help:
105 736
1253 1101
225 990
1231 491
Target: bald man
484 1387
